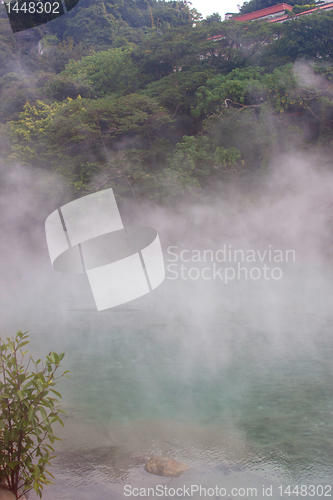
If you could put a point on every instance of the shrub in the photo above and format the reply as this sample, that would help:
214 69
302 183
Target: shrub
28 410
297 9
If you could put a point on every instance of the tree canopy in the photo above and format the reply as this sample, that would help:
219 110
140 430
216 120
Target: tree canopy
146 97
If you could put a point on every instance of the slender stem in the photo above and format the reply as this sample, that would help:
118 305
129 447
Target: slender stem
9 477
19 447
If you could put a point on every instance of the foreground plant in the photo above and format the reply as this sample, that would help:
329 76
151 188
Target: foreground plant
28 410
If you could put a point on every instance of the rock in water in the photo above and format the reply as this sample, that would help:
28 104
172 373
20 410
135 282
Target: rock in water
6 495
163 466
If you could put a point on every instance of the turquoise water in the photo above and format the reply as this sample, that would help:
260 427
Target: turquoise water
239 388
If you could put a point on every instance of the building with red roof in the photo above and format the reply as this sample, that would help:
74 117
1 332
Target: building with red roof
267 14
326 6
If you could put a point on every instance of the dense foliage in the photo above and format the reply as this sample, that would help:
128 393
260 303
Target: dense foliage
147 97
28 411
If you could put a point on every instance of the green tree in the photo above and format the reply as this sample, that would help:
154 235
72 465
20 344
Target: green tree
29 131
177 91
79 138
213 18
202 160
106 23
229 45
305 37
92 26
251 87
103 71
54 56
297 9
15 90
28 411
8 53
164 53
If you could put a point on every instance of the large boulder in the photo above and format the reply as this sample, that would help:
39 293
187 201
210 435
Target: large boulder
164 466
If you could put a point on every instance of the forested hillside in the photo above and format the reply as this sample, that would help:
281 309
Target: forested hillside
138 95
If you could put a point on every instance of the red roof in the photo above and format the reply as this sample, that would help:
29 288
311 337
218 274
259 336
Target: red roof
322 7
263 12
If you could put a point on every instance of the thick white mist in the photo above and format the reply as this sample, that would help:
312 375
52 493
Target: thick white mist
290 209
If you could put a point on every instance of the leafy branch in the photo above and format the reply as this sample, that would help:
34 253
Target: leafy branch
27 412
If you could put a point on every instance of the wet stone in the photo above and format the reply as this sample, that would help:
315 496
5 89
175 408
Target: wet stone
164 466
5 494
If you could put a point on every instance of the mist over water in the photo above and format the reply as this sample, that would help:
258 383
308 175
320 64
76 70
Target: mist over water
232 378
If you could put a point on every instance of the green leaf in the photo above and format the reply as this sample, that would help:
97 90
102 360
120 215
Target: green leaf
37 471
21 395
31 413
43 412
61 422
23 343
49 446
56 393
13 464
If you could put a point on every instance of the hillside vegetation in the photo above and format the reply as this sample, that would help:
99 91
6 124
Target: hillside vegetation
139 96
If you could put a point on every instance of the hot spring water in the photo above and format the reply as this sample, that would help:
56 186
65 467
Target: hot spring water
242 392
234 380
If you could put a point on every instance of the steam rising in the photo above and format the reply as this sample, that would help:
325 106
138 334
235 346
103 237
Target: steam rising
191 347
290 208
